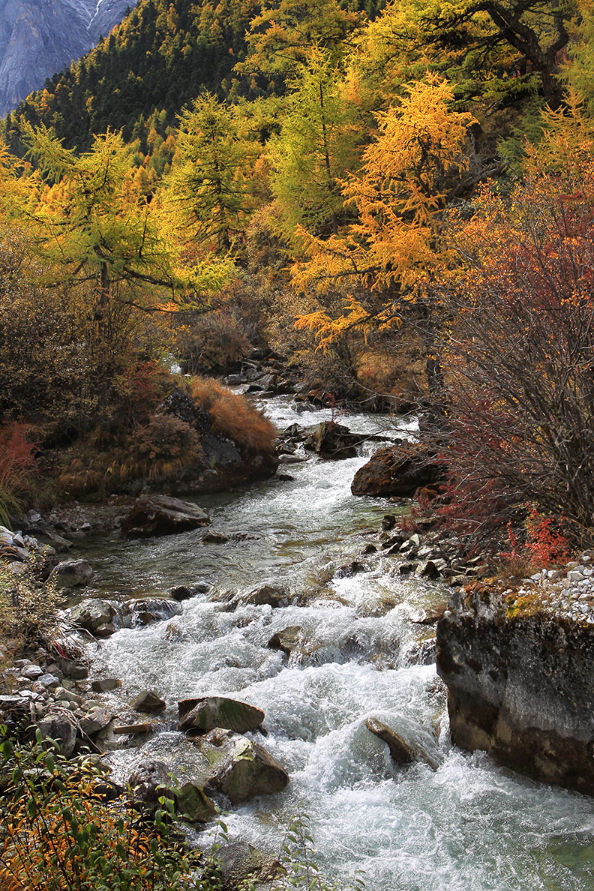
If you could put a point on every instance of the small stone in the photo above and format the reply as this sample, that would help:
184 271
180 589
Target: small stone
50 681
149 702
215 538
95 721
104 685
33 672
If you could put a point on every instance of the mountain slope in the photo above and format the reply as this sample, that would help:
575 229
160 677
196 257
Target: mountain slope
158 58
40 37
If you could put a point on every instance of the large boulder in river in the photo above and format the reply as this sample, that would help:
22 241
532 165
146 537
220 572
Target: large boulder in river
162 515
208 712
333 441
398 470
241 769
72 573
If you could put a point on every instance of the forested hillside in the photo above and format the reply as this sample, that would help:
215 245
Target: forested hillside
324 180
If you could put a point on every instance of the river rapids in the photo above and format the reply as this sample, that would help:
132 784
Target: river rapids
467 826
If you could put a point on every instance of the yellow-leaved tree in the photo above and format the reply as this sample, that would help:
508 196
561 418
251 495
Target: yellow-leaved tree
384 262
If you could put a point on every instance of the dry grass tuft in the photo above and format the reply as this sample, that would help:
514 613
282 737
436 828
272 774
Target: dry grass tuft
234 416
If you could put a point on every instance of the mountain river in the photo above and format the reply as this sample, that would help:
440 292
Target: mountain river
467 826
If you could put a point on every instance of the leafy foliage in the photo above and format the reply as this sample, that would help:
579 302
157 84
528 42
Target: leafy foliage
59 832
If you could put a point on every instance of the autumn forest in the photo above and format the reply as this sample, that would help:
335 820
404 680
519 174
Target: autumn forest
397 198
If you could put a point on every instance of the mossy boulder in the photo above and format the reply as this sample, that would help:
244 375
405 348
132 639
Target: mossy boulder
206 713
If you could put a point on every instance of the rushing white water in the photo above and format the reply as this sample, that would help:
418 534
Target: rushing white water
467 826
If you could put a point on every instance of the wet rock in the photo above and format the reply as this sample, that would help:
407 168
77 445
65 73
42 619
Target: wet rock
145 612
148 702
95 721
186 592
427 570
349 570
333 441
92 614
244 769
193 804
398 471
291 459
72 573
149 782
407 568
428 616
136 729
61 730
204 714
162 515
400 751
520 682
286 640
369 549
285 477
268 595
104 685
214 538
240 865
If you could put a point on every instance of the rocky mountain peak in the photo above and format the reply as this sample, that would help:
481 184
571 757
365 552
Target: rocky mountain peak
40 37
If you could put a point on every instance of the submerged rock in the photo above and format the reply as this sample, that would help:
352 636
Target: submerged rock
162 515
206 713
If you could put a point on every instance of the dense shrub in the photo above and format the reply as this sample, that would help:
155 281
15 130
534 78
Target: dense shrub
17 466
234 416
27 610
520 358
59 833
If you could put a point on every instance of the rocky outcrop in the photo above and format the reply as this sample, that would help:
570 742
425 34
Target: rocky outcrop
162 515
399 471
520 681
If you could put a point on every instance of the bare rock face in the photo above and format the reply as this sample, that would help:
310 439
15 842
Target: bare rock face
40 37
398 470
520 684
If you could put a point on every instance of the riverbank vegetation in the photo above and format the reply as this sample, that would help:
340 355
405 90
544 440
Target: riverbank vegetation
396 200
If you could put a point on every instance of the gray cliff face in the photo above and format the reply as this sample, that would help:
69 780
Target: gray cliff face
520 686
40 37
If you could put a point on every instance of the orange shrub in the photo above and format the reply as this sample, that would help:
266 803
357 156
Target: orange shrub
234 416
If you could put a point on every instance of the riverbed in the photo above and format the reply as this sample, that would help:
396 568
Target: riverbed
467 826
